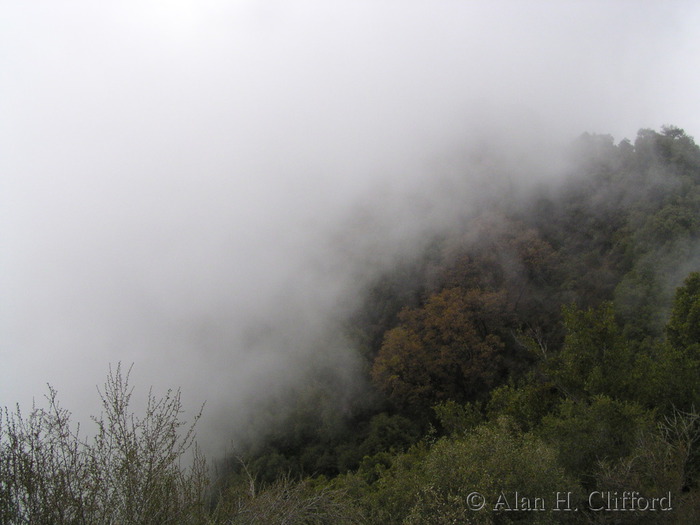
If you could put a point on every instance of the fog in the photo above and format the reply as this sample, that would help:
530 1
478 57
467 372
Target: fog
202 188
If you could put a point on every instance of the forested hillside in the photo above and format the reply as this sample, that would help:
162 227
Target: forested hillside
541 356
550 342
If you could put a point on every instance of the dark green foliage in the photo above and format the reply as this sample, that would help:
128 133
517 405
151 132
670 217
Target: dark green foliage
601 429
595 358
498 461
456 419
683 328
388 433
432 485
525 405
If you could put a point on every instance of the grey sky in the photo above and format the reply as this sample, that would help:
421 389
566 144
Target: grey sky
178 175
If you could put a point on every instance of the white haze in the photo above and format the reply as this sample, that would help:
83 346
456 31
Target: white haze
201 188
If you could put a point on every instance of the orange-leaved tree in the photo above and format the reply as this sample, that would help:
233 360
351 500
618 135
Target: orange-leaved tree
447 349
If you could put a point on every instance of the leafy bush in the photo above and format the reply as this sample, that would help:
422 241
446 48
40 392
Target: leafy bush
129 472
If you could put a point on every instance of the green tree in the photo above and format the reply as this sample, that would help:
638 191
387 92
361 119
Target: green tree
675 369
683 329
595 358
525 404
587 433
497 461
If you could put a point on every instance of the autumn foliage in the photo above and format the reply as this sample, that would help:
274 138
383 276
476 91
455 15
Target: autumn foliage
447 349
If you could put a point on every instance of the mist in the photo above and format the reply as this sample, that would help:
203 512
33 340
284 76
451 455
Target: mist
203 188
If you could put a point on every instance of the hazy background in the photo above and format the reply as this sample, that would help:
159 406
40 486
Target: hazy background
201 187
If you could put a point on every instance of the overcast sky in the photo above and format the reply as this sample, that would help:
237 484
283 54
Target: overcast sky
183 182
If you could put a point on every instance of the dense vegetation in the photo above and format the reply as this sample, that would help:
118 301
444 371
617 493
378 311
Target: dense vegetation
544 353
